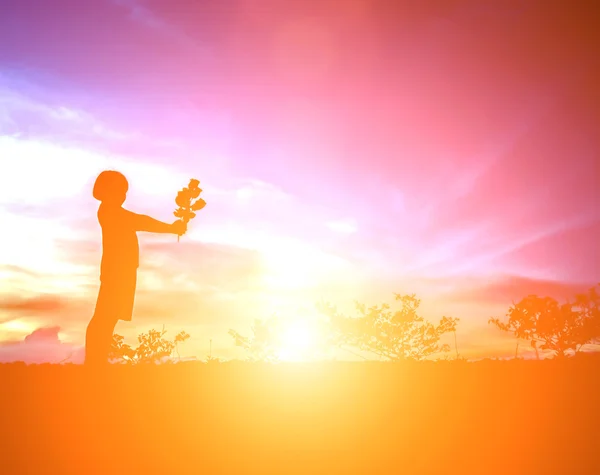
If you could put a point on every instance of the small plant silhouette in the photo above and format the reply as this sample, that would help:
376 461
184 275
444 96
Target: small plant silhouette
152 348
210 359
548 325
262 345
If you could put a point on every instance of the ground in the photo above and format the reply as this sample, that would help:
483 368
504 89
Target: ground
505 417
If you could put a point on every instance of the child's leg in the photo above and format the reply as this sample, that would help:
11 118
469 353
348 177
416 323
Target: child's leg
115 300
98 339
107 337
99 332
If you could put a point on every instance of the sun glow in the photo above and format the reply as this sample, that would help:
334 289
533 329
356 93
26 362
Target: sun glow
298 341
288 263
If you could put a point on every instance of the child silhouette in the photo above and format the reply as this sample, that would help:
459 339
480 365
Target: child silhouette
120 261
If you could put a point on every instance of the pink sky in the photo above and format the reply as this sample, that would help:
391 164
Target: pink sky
347 150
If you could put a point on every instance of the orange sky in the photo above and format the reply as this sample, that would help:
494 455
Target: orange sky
347 151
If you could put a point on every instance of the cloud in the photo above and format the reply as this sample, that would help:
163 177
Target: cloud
23 115
571 255
43 335
43 345
197 308
32 172
166 262
260 192
59 308
198 283
344 226
7 271
38 304
42 172
186 283
47 186
141 13
212 264
512 288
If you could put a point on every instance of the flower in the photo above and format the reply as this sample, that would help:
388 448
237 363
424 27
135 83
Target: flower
199 204
188 201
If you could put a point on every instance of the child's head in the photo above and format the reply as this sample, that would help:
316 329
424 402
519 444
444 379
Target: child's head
111 187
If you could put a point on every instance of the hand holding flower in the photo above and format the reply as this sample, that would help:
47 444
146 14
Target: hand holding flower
179 227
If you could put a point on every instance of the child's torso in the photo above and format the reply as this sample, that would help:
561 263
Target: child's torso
120 247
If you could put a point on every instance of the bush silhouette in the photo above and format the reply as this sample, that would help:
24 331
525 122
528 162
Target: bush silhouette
395 335
152 348
548 325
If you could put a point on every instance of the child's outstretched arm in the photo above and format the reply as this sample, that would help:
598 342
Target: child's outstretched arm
146 223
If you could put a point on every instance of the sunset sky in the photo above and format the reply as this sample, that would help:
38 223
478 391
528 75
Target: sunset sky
347 150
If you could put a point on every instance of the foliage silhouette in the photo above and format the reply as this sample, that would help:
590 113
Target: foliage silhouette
548 325
213 360
262 345
152 348
265 342
394 335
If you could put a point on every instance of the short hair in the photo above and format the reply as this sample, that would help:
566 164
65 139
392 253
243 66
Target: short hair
110 183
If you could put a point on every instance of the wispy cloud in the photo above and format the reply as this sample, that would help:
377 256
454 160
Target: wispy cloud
344 226
24 116
140 12
37 304
506 289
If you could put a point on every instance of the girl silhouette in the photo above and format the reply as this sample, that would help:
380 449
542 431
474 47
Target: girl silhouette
120 261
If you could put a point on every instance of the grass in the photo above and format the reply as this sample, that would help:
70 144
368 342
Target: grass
506 417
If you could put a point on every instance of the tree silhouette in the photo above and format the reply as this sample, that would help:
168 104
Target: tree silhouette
395 335
588 305
152 348
548 325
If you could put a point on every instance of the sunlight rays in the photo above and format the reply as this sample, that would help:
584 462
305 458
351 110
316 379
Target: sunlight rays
298 341
289 263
